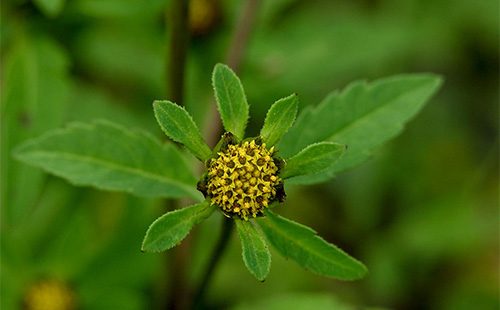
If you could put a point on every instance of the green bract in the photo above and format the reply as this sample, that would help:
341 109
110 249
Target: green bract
246 177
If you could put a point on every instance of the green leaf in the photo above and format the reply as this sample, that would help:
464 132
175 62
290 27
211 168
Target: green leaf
97 296
296 301
110 157
310 251
50 7
231 100
254 250
176 122
279 119
313 159
363 117
169 229
35 96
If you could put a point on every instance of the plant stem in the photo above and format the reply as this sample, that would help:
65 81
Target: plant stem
227 227
177 16
241 34
179 38
178 45
234 57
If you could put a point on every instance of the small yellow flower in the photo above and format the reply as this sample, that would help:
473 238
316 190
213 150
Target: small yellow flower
243 179
50 294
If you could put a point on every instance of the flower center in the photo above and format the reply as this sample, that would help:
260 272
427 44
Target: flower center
49 294
243 179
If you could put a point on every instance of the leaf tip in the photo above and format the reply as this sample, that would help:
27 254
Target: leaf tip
438 80
144 247
219 66
362 273
157 103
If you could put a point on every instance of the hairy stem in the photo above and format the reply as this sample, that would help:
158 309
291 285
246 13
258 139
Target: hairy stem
227 227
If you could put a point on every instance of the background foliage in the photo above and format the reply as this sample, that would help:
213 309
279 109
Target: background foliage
422 214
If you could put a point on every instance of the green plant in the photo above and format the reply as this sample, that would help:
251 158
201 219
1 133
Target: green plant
245 176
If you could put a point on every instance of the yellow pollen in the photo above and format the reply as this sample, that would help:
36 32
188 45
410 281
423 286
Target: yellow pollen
49 294
242 180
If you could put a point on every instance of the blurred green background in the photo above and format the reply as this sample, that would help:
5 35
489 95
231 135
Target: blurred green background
423 214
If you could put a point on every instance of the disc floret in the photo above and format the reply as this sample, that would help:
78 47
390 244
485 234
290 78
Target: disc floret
243 179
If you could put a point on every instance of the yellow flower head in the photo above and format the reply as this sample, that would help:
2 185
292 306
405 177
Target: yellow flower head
49 294
243 179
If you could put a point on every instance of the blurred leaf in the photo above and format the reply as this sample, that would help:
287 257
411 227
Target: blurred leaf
90 102
254 250
35 92
178 125
126 56
297 301
279 119
72 245
168 230
271 9
111 157
330 53
118 261
50 7
313 159
50 213
231 100
114 297
301 244
117 9
420 229
362 117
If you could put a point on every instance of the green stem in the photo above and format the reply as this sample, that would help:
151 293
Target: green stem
236 51
178 262
177 22
179 38
227 227
234 57
241 35
177 52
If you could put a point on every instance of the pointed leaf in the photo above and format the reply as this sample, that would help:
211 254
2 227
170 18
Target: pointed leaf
313 159
231 100
363 117
254 250
110 157
279 119
178 125
169 229
310 251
